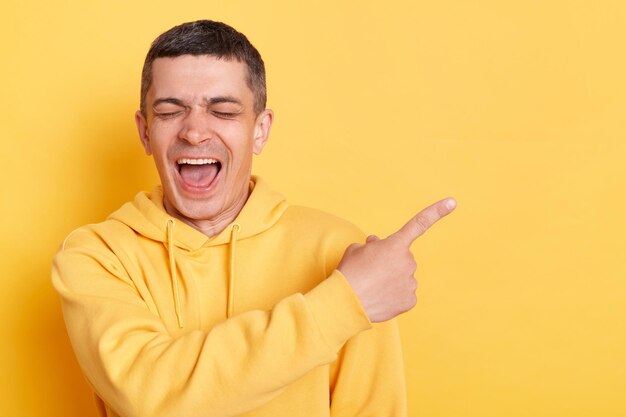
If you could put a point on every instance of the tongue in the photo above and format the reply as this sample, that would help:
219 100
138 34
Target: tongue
198 175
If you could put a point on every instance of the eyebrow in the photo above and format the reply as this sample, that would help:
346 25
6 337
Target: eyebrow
223 99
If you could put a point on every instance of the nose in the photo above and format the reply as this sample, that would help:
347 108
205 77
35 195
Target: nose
196 127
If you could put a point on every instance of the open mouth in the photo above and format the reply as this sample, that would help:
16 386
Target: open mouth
198 172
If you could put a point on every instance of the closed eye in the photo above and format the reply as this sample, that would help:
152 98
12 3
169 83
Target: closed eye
167 115
224 115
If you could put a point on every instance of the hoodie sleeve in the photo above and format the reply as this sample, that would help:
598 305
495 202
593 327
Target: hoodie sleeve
368 379
139 369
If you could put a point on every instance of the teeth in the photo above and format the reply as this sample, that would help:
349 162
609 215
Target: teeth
196 161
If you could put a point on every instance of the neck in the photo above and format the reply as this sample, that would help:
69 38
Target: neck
213 226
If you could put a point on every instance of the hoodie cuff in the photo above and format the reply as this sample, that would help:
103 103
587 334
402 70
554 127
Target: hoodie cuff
337 310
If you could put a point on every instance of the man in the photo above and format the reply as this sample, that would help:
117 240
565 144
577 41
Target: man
210 295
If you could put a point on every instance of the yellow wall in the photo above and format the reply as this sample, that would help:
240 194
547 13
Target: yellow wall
517 108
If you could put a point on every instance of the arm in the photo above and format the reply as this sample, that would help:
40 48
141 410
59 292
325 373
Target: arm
140 370
368 378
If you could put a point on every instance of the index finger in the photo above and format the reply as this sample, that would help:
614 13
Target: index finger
421 222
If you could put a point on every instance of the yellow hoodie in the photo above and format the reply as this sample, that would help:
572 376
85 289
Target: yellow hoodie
255 321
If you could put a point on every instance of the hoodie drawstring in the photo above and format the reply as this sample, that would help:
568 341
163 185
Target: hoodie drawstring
174 275
234 230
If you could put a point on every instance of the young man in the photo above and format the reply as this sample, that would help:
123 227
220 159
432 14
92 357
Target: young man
211 295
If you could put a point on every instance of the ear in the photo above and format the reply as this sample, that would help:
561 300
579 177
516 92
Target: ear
262 128
142 128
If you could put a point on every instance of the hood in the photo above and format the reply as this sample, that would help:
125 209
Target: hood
147 216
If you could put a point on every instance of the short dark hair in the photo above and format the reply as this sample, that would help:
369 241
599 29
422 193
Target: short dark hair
207 37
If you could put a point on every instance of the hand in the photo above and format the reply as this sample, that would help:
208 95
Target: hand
381 271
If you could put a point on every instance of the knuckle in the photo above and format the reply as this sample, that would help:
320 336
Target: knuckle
396 245
422 223
351 249
410 302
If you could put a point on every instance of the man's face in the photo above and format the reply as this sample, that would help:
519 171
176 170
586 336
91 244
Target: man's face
201 128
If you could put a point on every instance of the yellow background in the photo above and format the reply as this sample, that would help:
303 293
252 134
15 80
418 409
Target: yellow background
516 108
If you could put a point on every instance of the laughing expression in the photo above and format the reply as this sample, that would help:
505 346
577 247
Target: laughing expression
201 129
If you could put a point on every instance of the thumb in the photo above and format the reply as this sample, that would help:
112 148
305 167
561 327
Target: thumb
416 227
372 238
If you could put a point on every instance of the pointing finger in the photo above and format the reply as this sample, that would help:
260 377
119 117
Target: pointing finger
416 227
